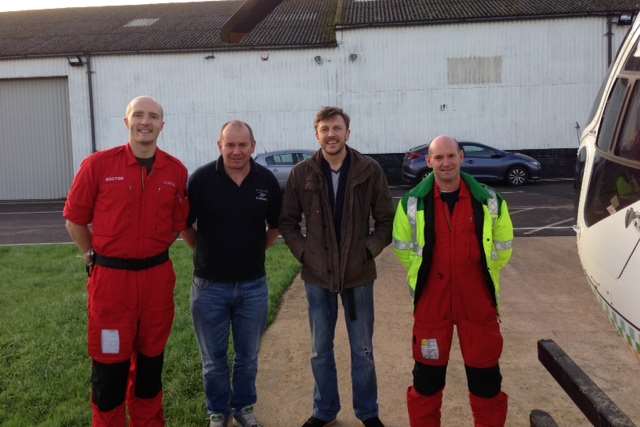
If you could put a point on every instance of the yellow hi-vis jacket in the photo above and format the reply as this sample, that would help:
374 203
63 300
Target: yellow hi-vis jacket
413 245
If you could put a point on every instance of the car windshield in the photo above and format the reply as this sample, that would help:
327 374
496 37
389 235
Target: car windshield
419 147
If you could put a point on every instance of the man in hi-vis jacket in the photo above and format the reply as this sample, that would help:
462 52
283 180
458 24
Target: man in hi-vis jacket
453 235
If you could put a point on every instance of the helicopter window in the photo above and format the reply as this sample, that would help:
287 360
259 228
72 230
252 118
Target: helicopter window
596 102
628 145
613 187
633 63
611 113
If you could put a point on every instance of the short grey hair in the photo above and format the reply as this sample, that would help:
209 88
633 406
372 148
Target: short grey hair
237 123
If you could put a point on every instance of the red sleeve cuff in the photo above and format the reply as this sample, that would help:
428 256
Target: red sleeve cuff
77 215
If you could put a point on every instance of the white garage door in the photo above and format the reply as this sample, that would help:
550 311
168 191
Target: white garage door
35 140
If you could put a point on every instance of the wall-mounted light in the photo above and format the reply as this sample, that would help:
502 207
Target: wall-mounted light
625 19
264 56
318 59
353 57
75 61
212 56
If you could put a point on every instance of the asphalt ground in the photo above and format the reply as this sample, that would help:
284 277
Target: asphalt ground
32 222
539 209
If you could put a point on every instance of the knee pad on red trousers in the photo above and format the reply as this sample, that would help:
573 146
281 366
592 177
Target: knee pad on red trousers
427 379
484 382
109 384
424 411
148 376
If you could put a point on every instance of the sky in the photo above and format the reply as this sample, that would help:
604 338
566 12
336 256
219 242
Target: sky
6 5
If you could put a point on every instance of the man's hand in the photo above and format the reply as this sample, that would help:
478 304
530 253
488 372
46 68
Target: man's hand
189 236
272 236
88 257
80 235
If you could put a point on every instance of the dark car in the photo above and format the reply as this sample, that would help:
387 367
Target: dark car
281 162
481 161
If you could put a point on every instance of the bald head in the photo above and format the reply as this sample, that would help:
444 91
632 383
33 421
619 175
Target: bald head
445 158
443 140
143 99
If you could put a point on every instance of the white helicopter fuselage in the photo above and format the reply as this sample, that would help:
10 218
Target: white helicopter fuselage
608 216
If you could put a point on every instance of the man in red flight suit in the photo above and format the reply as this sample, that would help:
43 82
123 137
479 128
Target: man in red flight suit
134 198
462 233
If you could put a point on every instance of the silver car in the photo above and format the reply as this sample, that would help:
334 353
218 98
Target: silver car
282 161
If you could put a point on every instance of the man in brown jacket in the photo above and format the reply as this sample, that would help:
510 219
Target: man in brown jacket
338 190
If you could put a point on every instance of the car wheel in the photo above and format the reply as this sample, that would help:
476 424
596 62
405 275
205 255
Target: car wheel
517 175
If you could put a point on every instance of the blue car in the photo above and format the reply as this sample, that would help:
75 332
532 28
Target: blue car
483 162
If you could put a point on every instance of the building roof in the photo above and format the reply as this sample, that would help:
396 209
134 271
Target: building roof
114 29
252 24
160 28
359 13
297 23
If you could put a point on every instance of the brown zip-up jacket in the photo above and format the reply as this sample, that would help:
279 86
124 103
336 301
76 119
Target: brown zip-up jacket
366 195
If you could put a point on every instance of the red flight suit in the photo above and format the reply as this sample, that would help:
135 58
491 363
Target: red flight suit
134 215
457 294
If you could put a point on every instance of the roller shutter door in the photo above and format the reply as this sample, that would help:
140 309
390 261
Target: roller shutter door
35 139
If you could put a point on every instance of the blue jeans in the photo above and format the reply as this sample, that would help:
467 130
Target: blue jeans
215 308
323 313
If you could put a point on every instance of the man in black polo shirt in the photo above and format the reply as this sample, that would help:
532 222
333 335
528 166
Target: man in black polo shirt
235 204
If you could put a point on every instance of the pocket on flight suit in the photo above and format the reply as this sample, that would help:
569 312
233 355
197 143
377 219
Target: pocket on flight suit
113 209
432 342
481 342
166 204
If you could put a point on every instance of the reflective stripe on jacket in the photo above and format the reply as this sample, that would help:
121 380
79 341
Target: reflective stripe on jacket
413 232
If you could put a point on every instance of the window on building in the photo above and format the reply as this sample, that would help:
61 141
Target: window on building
611 114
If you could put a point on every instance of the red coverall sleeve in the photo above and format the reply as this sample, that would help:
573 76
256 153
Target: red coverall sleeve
181 212
82 195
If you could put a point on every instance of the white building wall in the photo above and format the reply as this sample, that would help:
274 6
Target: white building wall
397 89
399 93
276 92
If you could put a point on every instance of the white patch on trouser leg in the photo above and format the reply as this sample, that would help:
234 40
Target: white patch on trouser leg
110 341
429 348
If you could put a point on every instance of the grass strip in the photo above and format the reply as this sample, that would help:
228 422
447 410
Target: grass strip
44 366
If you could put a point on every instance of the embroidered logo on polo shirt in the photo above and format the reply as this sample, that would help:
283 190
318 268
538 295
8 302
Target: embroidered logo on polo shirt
170 183
114 178
262 195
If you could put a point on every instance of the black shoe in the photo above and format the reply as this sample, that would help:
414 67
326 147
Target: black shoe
373 422
317 422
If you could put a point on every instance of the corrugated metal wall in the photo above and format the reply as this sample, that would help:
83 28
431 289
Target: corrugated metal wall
276 92
514 85
35 139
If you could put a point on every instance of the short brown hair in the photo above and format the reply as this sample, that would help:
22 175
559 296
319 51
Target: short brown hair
329 112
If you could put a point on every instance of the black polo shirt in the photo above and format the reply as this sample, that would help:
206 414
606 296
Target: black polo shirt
230 221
